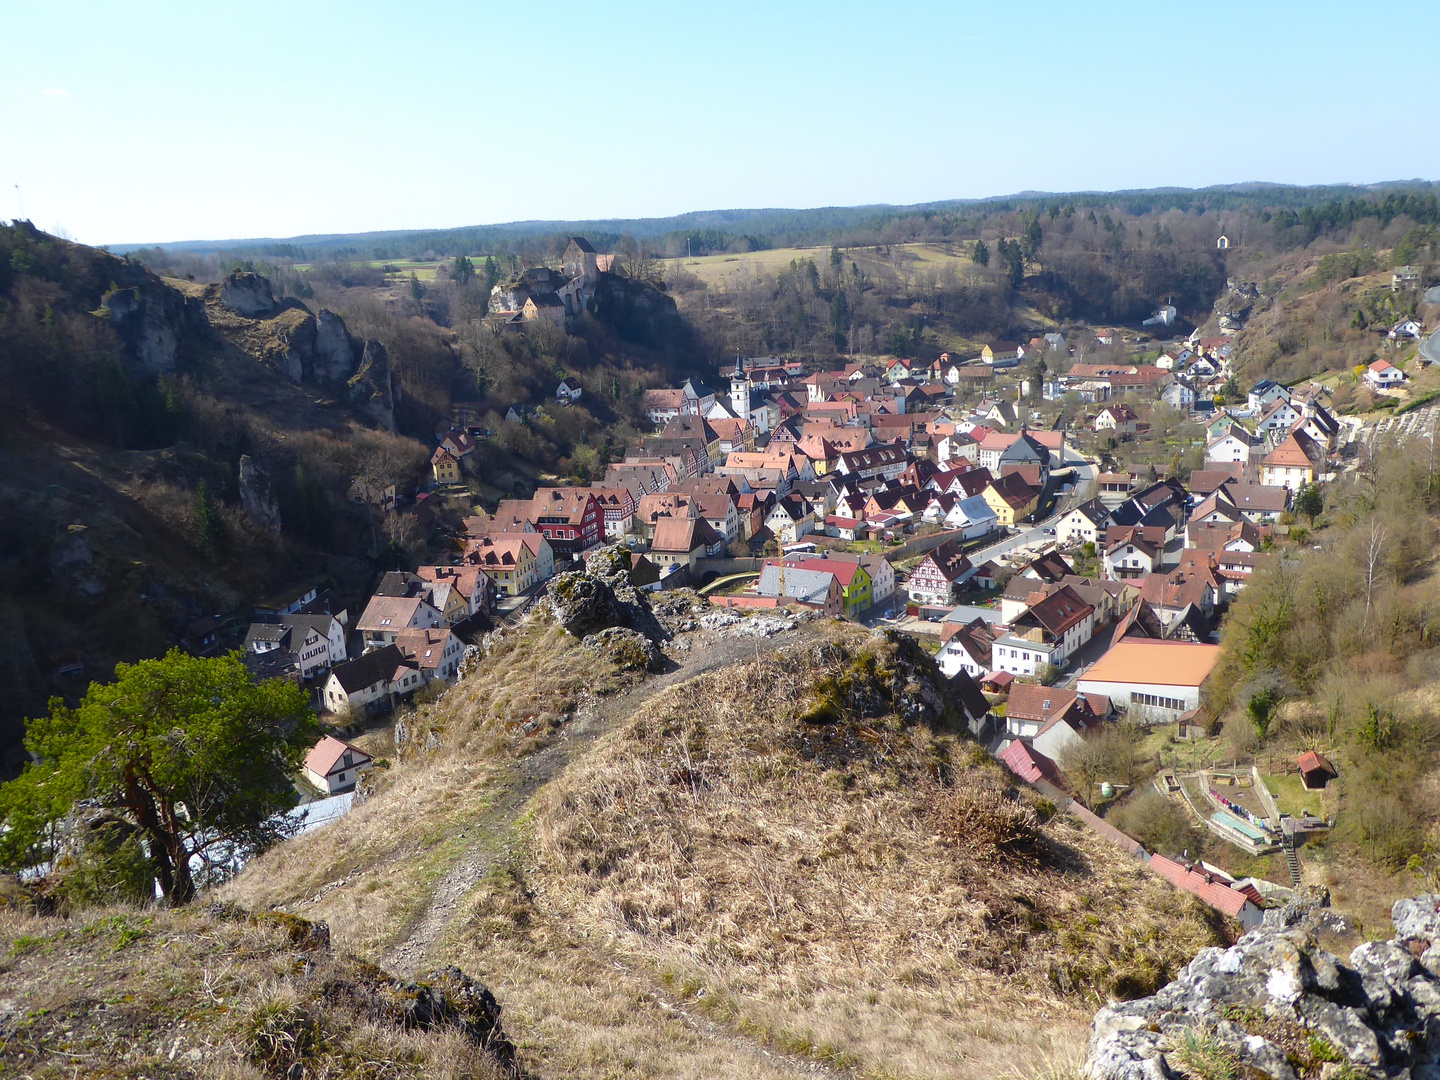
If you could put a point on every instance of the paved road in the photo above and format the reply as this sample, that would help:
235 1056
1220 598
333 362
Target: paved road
1430 348
1083 475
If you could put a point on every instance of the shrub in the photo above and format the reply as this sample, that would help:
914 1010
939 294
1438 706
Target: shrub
989 823
1153 820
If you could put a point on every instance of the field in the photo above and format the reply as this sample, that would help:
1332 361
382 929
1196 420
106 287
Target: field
422 269
907 260
1292 798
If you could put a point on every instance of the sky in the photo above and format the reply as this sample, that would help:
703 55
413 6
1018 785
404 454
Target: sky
156 122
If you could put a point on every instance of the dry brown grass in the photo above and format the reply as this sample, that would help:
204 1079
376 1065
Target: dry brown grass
801 875
721 887
373 871
120 993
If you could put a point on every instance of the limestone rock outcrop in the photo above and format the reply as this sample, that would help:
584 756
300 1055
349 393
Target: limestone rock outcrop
1278 1004
337 351
627 649
256 497
372 387
152 321
247 294
585 602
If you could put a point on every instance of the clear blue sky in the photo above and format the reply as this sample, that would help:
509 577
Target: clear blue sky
167 121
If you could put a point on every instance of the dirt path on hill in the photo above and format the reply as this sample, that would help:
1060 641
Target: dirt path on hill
707 650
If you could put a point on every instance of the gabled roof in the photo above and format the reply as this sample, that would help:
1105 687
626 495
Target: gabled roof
1050 567
269 633
1025 449
1297 451
1118 538
1031 765
972 698
1058 612
366 670
1093 511
1014 491
424 648
324 758
1139 622
680 536
390 614
1042 703
1201 883
949 559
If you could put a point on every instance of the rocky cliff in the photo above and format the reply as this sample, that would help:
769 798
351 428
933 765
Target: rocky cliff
1280 1004
313 349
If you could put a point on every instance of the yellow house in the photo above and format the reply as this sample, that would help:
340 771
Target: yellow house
1011 498
506 558
445 466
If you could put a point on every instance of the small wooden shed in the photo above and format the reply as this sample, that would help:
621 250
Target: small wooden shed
1315 771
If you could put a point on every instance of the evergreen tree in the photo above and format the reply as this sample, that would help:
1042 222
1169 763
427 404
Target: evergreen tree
1309 502
191 752
462 269
982 253
206 523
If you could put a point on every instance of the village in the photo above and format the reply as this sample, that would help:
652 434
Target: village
984 505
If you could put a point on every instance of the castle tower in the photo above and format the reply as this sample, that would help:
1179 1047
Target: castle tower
740 390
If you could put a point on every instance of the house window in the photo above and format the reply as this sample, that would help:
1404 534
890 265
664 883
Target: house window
341 778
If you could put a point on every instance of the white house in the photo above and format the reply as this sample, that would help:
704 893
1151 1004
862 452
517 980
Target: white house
1085 524
1179 395
334 766
1263 393
973 517
1280 416
1118 418
1406 328
569 389
1130 557
1382 374
377 677
1230 448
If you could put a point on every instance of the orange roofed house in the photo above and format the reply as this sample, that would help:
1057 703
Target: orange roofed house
508 559
1157 681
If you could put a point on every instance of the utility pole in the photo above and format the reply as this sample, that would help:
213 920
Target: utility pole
19 203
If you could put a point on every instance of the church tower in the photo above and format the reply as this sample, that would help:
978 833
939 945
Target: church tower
740 391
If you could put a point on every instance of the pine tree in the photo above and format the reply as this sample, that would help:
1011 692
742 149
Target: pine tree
982 253
206 523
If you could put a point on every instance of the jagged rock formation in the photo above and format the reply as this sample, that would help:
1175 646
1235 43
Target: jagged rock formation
305 348
372 387
627 649
587 601
1278 1005
73 562
152 320
636 309
256 497
337 351
247 293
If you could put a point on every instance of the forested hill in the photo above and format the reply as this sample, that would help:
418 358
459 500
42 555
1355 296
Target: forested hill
1312 208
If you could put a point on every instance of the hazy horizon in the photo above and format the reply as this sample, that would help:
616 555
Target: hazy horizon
175 124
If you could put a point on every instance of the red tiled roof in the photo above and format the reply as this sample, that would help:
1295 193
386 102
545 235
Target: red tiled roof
1031 765
322 758
1202 884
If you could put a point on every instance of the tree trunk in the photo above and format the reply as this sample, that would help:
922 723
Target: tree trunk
167 850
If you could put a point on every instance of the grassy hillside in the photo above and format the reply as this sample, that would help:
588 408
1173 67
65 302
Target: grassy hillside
218 993
777 858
